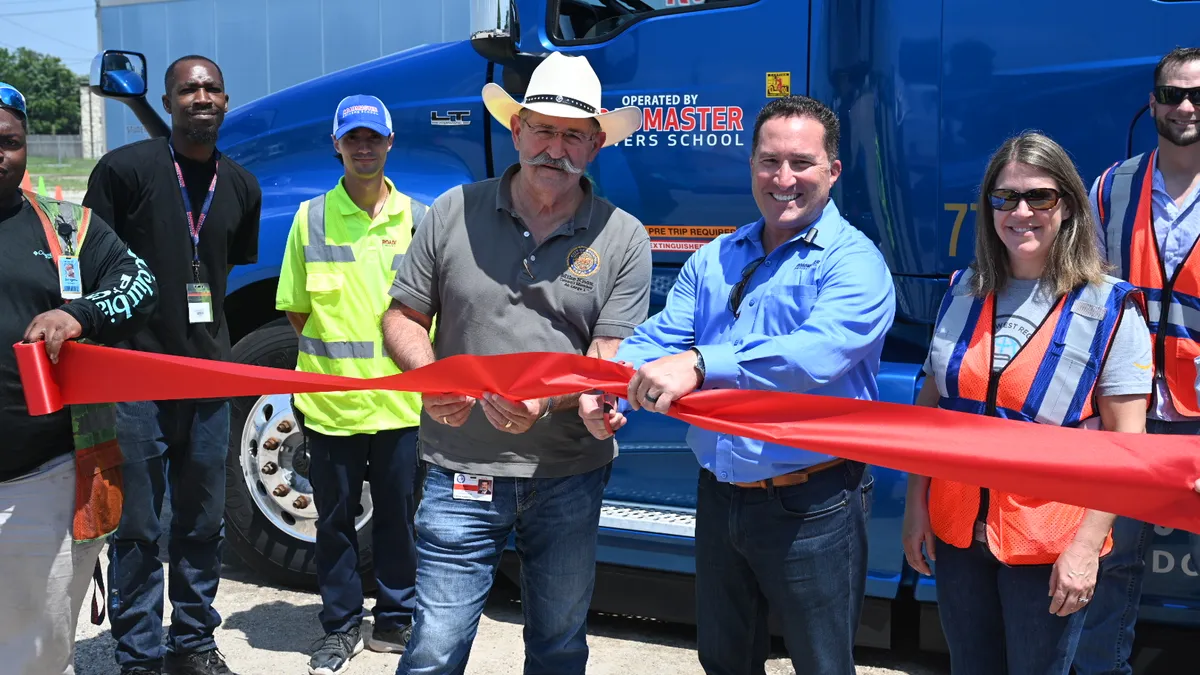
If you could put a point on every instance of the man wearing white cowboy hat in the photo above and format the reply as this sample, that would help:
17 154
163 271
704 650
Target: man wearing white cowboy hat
530 261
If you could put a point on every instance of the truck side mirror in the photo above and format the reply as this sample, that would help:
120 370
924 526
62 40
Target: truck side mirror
118 74
121 75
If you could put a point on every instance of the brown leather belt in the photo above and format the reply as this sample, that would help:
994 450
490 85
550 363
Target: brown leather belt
793 478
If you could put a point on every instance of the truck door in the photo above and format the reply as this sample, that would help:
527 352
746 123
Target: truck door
685 63
685 175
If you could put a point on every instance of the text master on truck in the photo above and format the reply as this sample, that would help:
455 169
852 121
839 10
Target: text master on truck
925 90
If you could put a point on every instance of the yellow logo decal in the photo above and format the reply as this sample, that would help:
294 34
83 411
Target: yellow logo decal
779 85
583 261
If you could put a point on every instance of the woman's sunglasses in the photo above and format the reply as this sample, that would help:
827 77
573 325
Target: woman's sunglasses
11 98
1038 199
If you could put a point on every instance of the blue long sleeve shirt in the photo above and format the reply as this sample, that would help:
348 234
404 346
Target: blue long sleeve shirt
812 319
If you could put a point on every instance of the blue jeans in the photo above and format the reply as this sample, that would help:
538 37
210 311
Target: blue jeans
799 552
996 617
459 543
184 443
1107 640
338 468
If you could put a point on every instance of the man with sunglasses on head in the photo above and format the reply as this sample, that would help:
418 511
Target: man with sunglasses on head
796 301
65 275
1148 211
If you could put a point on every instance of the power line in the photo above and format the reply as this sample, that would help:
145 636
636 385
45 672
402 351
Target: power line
48 11
53 38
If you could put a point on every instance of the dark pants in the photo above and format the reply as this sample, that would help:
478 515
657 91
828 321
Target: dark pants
183 443
1107 640
799 552
338 467
996 617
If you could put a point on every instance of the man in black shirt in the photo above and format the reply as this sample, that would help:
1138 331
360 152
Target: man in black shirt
52 252
192 214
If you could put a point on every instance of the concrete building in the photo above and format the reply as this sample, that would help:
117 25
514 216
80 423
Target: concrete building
263 46
91 124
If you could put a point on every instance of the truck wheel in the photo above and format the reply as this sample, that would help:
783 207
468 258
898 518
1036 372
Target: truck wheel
270 517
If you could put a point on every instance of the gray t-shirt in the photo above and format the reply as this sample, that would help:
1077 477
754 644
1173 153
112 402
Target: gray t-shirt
475 267
1020 309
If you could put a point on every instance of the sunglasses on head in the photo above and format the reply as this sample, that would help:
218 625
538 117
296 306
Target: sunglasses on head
1038 199
11 98
1175 95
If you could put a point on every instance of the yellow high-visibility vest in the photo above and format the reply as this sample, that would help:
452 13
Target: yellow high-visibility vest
337 268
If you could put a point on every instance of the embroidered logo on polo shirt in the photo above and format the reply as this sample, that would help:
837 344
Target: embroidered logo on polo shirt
582 262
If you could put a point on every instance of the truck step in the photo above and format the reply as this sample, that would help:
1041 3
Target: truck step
636 517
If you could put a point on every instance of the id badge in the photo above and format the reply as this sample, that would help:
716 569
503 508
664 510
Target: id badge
474 488
199 303
69 283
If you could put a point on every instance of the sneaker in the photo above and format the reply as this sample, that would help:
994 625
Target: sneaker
209 662
334 654
389 640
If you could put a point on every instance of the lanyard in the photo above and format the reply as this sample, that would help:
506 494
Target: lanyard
194 224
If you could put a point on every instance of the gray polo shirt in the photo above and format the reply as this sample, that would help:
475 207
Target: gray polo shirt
474 265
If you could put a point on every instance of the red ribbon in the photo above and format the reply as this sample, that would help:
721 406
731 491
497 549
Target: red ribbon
1145 477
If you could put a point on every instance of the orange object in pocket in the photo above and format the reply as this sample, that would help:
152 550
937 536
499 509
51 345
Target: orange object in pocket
99 491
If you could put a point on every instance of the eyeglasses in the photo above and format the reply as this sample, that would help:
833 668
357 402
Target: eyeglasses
11 98
1175 95
570 136
1038 199
735 294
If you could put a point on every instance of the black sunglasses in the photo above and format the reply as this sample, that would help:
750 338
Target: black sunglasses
1175 95
1038 199
735 295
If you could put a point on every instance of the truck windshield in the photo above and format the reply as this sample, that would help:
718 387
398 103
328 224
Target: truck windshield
592 19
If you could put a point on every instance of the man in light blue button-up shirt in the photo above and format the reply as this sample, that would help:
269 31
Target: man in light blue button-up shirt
1107 639
796 301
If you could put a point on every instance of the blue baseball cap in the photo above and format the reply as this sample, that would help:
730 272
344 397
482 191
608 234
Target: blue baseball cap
361 111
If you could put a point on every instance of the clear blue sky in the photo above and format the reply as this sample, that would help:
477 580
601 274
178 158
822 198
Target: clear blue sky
62 28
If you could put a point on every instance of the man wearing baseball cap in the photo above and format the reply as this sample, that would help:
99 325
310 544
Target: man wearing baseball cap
338 265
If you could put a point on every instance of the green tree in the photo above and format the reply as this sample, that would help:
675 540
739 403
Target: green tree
51 90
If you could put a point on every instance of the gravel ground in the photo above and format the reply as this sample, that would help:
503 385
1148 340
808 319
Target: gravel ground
269 631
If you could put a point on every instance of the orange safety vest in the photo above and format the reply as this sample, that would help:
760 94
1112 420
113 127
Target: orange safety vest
1124 203
1051 380
99 489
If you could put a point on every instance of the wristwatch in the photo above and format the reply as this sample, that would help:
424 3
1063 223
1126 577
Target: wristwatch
699 366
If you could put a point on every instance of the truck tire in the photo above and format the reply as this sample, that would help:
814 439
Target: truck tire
270 518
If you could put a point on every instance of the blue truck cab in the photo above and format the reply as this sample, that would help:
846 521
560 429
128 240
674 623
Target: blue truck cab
925 90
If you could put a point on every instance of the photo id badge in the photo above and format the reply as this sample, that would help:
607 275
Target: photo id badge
69 282
199 303
474 488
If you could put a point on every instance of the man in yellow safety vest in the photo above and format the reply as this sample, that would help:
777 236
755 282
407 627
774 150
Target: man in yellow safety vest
338 265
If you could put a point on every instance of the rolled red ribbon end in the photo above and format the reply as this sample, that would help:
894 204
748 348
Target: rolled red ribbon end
42 395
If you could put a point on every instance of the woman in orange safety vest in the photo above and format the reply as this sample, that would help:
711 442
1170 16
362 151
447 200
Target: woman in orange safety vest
1034 331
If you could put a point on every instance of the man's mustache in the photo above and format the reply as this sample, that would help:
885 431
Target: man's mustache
561 163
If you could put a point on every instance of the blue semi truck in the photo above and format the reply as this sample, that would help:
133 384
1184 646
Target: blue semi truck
925 90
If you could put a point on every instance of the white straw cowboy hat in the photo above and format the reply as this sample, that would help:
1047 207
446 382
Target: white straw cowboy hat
564 86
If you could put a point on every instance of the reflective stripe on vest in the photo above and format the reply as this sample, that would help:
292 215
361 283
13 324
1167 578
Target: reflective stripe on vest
1125 206
323 252
1051 380
337 350
319 250
59 217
